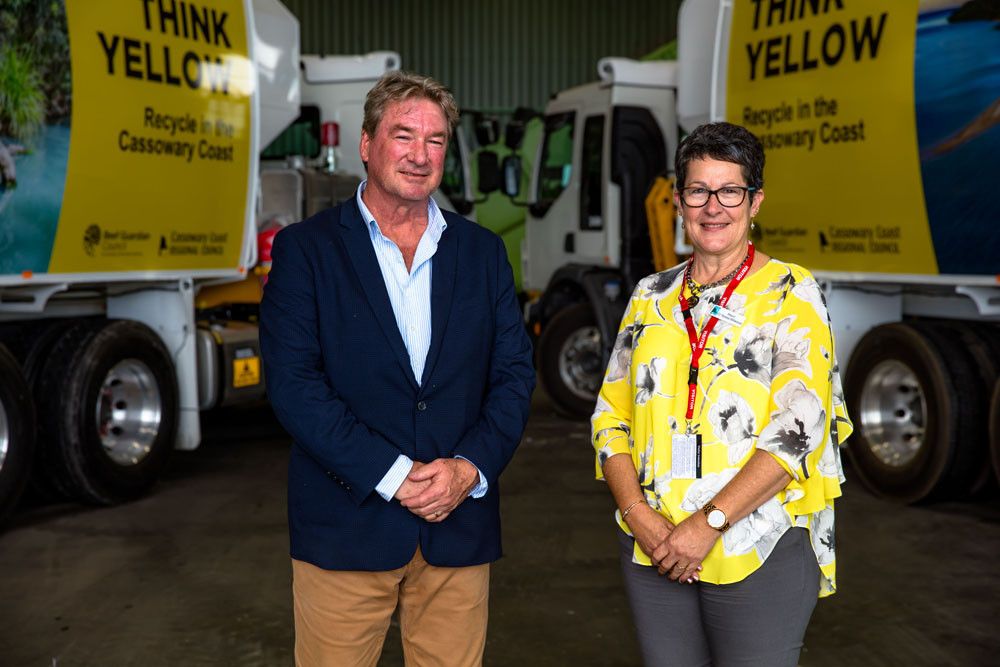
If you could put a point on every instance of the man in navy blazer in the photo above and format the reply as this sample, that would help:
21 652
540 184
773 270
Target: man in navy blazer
395 356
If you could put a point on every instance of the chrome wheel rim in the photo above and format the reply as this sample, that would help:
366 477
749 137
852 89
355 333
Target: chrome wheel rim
128 412
893 413
580 362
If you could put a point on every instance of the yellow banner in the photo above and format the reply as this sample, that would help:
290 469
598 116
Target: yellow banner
160 142
827 86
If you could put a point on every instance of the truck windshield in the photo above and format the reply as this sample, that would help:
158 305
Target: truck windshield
557 160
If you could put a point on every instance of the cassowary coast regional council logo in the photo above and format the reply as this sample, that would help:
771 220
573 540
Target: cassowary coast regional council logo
91 239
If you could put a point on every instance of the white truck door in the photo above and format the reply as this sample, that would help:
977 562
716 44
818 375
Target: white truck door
566 224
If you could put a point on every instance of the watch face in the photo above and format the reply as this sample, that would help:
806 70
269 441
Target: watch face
716 518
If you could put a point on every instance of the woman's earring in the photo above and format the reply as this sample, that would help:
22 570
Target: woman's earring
752 225
682 224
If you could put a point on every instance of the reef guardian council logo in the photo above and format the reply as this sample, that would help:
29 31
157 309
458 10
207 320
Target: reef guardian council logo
91 239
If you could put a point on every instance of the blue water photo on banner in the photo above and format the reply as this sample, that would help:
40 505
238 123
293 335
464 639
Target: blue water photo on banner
957 94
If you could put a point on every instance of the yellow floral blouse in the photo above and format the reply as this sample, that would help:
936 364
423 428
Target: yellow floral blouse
770 383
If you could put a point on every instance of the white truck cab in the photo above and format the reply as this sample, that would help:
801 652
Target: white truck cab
587 239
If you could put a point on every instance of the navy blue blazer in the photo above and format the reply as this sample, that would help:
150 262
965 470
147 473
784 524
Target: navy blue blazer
339 379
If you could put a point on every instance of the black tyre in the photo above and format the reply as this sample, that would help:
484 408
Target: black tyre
17 432
31 343
913 399
994 430
109 394
982 340
570 361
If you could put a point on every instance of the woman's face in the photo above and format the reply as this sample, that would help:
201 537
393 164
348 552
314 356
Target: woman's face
715 229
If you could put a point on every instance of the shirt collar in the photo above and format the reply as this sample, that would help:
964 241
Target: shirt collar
435 219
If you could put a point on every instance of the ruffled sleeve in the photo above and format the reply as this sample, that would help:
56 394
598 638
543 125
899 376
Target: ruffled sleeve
807 418
611 423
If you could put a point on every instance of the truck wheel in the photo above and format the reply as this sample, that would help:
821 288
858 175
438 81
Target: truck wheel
17 432
982 340
914 407
994 429
32 344
569 360
109 393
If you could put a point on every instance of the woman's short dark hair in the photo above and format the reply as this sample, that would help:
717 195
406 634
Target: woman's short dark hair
726 142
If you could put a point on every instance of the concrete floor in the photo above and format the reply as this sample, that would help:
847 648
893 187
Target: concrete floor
197 573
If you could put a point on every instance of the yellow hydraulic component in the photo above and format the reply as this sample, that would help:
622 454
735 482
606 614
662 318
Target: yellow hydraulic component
247 290
661 214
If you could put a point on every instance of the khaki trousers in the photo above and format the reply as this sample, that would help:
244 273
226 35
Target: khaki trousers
341 617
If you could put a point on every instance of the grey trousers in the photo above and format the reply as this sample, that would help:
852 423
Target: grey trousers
758 621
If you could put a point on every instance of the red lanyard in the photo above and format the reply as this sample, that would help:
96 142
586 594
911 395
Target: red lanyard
698 342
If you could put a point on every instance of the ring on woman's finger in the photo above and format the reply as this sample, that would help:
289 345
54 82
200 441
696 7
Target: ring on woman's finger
680 567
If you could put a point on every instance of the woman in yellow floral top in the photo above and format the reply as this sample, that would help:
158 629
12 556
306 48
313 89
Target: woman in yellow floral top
724 471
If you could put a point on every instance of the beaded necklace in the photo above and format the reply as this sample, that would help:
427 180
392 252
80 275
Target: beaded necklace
697 289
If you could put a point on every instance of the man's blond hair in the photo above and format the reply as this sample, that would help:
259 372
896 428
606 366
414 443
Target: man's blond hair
397 86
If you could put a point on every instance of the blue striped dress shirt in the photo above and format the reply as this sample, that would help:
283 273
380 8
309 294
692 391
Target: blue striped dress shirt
410 295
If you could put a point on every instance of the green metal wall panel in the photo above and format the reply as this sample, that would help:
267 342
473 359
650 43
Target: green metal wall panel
494 54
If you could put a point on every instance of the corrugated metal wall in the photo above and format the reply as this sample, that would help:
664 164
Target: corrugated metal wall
493 54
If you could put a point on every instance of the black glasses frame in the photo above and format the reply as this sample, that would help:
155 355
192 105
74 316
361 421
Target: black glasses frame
716 193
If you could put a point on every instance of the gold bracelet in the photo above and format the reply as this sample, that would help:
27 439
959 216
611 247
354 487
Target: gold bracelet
629 508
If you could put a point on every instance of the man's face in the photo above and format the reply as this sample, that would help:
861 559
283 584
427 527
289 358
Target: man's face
406 156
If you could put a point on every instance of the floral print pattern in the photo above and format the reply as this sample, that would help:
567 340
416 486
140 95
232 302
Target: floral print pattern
753 352
654 486
758 533
797 427
770 384
733 422
647 379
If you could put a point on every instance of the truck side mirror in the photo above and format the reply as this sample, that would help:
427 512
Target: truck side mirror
487 130
512 175
514 135
488 168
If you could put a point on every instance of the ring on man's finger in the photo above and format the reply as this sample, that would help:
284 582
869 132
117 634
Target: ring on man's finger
437 514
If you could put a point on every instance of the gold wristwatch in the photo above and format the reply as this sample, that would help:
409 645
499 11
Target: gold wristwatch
716 517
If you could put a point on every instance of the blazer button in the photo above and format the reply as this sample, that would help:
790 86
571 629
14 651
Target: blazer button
421 406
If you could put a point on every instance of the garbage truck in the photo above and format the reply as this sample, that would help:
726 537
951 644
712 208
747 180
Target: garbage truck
881 126
122 221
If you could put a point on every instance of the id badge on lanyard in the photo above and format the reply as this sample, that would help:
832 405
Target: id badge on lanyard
686 447
685 456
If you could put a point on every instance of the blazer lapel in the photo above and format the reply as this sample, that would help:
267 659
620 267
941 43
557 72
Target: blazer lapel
366 266
442 286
